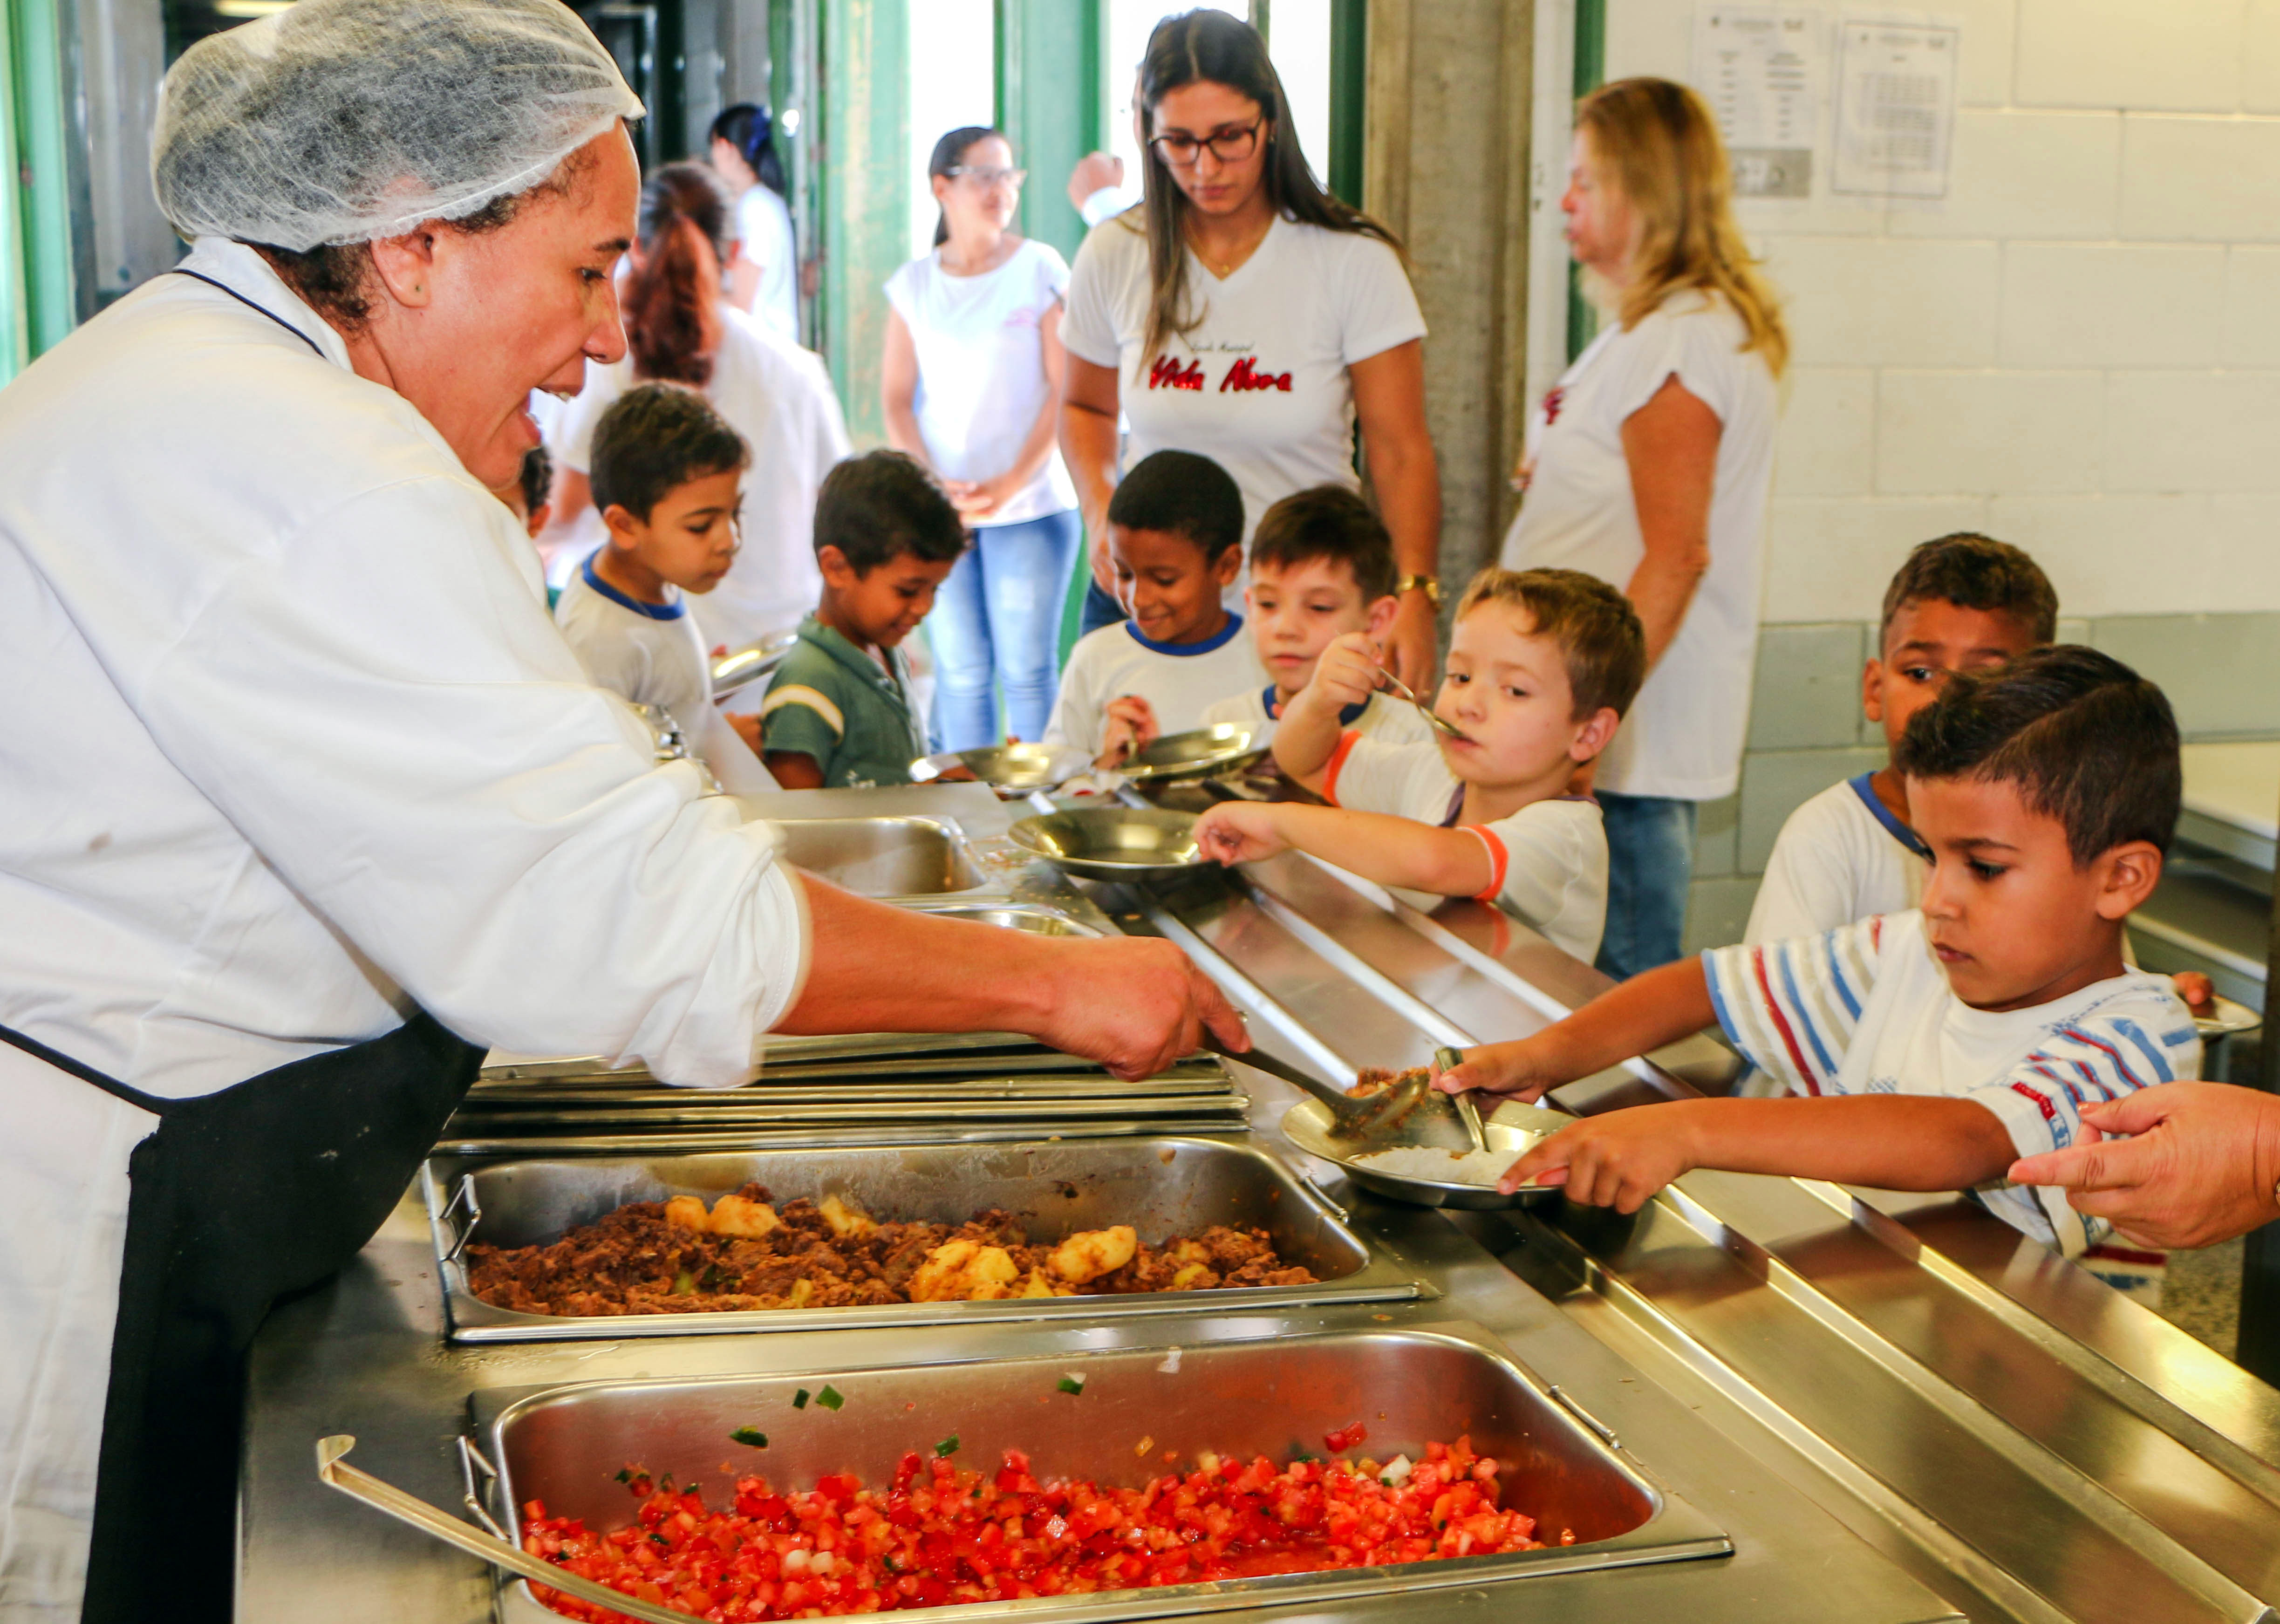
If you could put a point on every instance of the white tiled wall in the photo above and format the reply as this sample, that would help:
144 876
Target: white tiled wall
2078 349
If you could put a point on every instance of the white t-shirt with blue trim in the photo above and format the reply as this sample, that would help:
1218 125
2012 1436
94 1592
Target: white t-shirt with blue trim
1179 681
1840 856
1865 1009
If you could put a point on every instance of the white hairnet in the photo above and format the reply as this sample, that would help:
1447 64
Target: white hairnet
347 121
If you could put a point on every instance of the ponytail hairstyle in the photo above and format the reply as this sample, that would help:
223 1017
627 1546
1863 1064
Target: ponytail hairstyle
1656 142
949 153
1208 46
747 128
672 305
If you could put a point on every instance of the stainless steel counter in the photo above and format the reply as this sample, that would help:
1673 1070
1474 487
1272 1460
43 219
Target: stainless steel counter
1894 1408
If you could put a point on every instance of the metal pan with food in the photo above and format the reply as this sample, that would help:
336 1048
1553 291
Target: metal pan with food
535 1250
883 1117
1446 1169
1434 1459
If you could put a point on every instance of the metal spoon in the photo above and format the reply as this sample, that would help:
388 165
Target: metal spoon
1426 710
1445 1059
1372 1116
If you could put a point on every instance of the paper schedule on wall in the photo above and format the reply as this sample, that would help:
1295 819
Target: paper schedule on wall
1761 68
1895 107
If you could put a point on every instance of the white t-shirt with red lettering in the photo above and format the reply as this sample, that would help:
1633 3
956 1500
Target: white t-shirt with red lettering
1260 386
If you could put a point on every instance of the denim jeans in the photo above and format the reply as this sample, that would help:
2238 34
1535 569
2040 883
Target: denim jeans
997 621
1650 859
1100 608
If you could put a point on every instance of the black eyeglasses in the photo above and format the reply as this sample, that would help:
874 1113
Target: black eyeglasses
1232 145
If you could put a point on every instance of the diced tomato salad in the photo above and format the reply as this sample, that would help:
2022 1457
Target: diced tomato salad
941 1534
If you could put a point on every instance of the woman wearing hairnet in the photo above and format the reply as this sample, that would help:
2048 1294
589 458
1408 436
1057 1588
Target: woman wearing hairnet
308 800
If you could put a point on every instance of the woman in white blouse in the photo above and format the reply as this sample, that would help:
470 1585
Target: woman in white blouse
1648 466
971 383
1246 314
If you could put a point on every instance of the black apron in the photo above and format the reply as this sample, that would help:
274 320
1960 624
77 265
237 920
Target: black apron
238 1199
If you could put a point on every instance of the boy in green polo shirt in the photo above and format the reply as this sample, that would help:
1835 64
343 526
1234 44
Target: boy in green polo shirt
839 710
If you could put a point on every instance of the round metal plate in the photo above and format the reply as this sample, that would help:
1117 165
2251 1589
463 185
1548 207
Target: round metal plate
1112 843
1010 769
1192 754
1307 1126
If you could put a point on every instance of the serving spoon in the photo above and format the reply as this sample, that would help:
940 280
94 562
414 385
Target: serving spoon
1400 1115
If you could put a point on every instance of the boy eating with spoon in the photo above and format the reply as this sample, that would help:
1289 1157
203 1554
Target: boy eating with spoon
1542 665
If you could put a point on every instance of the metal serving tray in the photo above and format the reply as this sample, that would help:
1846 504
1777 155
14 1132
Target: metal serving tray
889 858
1160 1185
1276 1397
762 1114
528 1140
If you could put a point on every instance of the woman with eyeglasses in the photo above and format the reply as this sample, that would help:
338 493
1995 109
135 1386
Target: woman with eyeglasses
1243 312
971 383
1648 465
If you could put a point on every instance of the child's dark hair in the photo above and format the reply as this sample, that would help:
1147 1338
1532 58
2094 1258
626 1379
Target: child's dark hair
1330 523
537 478
1181 494
876 507
1974 572
1601 639
2086 740
656 436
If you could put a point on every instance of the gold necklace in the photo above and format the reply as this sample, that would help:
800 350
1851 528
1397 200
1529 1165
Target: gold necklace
1225 269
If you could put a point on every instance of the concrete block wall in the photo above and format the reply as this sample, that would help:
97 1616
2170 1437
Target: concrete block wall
2221 672
2078 348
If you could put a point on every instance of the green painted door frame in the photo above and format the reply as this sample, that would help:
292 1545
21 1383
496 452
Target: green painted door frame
1052 104
1591 73
1349 97
862 193
38 302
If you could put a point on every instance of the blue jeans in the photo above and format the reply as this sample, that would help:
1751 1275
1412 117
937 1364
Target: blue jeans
999 616
1100 609
1650 859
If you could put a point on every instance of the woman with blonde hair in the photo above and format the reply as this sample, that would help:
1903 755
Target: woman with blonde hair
1647 467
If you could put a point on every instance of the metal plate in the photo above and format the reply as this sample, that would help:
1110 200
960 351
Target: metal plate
748 665
1161 1185
1013 770
1263 1396
1125 843
1218 748
1308 1124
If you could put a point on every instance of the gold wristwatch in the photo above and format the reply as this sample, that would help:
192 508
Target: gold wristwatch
1429 585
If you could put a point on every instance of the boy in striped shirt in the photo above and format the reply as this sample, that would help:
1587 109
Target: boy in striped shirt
1935 1047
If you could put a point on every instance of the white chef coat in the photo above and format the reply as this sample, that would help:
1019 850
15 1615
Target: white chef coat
1261 386
1683 735
779 398
764 237
292 740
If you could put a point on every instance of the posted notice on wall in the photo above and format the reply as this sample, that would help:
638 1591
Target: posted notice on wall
1761 69
1895 119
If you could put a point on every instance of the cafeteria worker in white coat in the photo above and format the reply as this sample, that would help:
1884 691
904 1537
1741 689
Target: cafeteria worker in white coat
307 800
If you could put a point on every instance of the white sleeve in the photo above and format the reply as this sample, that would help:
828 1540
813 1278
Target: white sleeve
1096 287
902 290
1053 270
1809 884
1377 307
1077 718
386 712
1544 857
1697 346
1107 204
1367 774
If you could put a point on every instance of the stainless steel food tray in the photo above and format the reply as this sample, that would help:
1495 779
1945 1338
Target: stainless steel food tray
763 1113
525 1139
1161 1185
1042 1069
1275 1397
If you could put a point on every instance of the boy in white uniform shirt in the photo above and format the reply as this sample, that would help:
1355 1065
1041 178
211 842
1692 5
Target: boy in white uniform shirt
1175 538
1321 567
1542 665
1961 602
668 475
1939 1044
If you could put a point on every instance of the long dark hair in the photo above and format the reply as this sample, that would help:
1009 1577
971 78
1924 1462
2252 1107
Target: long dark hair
1200 47
668 304
747 128
949 153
